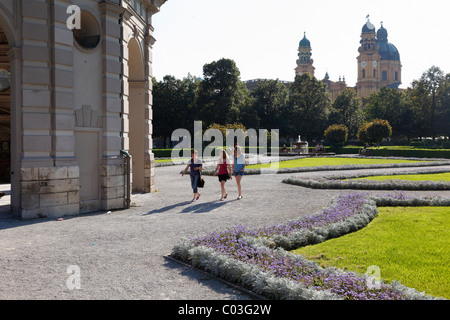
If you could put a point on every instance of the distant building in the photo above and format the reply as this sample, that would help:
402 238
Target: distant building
378 63
304 62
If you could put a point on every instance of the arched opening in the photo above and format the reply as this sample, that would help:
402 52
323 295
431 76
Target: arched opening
136 115
5 125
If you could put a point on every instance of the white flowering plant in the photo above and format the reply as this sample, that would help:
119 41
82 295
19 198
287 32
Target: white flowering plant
259 259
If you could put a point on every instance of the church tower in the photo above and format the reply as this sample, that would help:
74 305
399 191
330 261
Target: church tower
390 65
305 63
378 61
368 62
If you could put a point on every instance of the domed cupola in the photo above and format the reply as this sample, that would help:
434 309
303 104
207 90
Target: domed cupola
368 27
305 43
386 50
304 62
382 34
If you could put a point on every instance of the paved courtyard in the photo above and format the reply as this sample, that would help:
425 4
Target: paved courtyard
122 255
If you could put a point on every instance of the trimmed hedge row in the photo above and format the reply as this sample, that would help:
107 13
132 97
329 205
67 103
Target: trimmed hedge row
380 152
408 152
167 153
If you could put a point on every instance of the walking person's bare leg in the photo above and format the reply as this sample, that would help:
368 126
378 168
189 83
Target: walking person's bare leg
238 182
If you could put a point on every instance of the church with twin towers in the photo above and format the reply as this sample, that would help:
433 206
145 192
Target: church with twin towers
378 63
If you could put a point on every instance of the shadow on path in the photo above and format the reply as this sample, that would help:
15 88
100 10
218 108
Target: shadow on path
191 207
167 208
204 207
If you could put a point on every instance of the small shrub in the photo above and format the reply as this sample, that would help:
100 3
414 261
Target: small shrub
336 134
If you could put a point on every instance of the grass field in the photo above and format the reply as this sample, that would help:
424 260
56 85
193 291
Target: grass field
169 160
328 161
408 244
412 177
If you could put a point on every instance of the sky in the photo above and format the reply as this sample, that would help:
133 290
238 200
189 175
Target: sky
263 36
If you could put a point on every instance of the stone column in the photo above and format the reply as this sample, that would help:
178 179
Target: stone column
149 156
15 58
49 172
112 166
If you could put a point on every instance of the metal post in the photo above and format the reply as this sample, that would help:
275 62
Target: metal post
127 158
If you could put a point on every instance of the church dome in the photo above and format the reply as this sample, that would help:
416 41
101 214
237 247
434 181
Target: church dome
368 27
304 43
382 34
386 50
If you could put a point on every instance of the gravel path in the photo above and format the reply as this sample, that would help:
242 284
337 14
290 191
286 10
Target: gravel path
122 255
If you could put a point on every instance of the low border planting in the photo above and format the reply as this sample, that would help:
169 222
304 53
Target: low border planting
350 182
259 259
408 152
422 163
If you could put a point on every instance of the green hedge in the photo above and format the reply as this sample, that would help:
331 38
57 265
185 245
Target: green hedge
167 153
349 150
408 152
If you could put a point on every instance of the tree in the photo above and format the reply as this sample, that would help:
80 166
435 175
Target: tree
222 94
389 104
346 110
174 105
432 80
310 103
269 101
419 102
336 134
443 100
362 134
378 130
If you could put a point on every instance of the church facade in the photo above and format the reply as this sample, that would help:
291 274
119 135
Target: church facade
75 101
378 63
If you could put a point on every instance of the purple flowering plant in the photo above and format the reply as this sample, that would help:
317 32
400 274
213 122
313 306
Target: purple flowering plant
239 243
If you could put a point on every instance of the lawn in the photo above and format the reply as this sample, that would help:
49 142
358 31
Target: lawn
327 161
408 244
412 177
169 160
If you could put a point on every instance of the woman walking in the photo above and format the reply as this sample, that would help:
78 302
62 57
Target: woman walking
238 168
224 169
196 166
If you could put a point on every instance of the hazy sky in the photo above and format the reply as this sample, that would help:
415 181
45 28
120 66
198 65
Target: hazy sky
262 36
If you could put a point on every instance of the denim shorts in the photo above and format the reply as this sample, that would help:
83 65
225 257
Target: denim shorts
238 173
194 181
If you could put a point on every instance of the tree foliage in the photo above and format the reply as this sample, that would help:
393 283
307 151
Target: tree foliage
346 110
310 104
336 134
377 130
174 104
302 108
269 104
222 94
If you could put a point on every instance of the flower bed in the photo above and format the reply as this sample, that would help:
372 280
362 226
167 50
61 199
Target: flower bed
349 182
258 259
